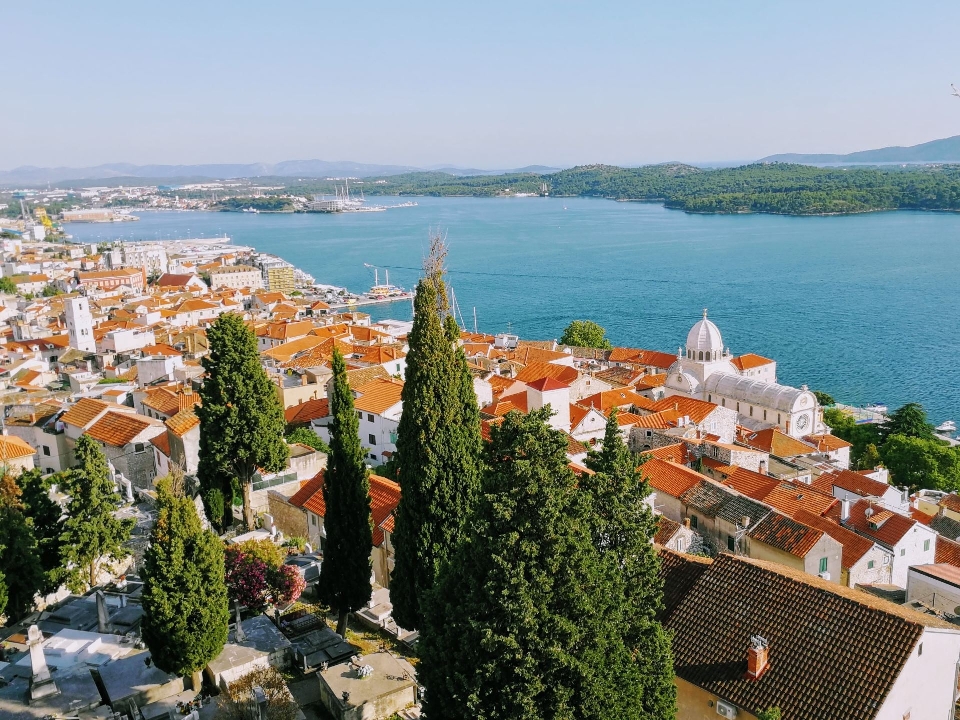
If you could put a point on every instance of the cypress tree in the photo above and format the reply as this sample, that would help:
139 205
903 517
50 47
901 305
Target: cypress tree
345 573
241 418
45 516
622 527
184 588
518 627
438 448
22 574
92 535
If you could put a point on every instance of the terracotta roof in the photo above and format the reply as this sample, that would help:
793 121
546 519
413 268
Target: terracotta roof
782 533
546 384
516 402
827 443
378 396
790 498
160 349
669 477
851 482
775 442
538 370
285 330
950 502
384 498
883 526
174 280
378 355
388 524
834 652
749 361
118 429
307 411
84 412
666 529
637 356
183 422
603 401
12 447
650 381
162 443
677 453
620 376
947 551
291 348
169 401
854 546
697 410
363 376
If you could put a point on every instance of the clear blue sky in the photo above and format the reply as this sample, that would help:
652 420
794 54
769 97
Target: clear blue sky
479 84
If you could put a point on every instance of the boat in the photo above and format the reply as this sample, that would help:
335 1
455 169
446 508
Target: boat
251 210
877 408
946 427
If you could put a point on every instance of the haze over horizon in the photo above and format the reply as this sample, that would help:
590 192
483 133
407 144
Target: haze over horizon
492 86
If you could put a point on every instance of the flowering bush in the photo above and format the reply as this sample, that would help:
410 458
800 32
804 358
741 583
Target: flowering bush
246 578
286 584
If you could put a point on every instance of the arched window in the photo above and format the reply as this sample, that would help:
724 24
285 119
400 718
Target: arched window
701 354
723 401
709 398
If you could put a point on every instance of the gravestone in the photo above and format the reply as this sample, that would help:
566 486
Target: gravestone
41 683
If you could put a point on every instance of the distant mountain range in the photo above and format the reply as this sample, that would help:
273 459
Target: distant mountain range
946 150
28 175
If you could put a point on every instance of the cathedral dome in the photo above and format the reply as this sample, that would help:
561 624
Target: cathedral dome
704 337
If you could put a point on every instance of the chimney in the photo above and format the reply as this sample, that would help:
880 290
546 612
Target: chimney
686 523
844 510
758 657
763 467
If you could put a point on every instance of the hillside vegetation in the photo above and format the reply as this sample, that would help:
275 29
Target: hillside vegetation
767 188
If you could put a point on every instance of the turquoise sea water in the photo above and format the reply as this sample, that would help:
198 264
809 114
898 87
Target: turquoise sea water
864 307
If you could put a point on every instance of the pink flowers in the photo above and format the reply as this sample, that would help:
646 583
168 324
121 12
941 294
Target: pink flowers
254 584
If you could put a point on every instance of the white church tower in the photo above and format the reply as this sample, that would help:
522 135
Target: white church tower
80 324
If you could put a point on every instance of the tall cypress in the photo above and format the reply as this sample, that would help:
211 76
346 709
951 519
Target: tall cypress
184 587
345 573
622 527
92 534
21 573
438 446
45 516
520 626
241 417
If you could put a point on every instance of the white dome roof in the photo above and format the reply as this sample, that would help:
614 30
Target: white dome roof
756 392
705 336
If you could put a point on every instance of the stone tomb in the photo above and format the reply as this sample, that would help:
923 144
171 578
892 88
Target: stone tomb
261 645
389 688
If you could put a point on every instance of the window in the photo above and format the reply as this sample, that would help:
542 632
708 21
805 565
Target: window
926 545
731 543
738 407
693 521
370 417
649 433
372 439
920 650
46 451
751 411
823 565
903 552
870 564
360 414
393 437
709 398
723 401
886 559
313 519
138 448
680 545
764 414
373 456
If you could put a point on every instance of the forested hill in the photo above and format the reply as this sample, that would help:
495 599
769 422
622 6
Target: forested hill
769 188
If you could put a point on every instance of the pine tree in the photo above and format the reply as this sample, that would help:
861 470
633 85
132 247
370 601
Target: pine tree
622 528
46 518
345 573
184 590
22 573
438 448
241 418
92 534
518 627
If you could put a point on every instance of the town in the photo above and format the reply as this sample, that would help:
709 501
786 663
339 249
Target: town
794 580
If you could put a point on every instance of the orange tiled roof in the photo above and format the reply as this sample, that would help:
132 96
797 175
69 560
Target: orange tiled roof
307 411
184 421
12 447
292 348
668 477
162 443
384 498
378 396
621 398
854 546
539 370
947 551
884 526
84 412
696 410
749 361
852 482
677 453
827 443
775 442
118 429
950 502
285 330
790 536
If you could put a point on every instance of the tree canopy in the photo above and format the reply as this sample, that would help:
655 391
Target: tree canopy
306 436
585 333
919 463
438 447
46 517
241 418
910 421
92 534
21 574
525 624
345 573
184 590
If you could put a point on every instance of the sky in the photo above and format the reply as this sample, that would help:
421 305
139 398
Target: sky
483 84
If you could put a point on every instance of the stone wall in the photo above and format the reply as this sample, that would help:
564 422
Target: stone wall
290 520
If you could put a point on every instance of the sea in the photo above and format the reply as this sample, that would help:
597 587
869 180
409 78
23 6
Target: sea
864 307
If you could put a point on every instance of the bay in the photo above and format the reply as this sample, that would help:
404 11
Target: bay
863 306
